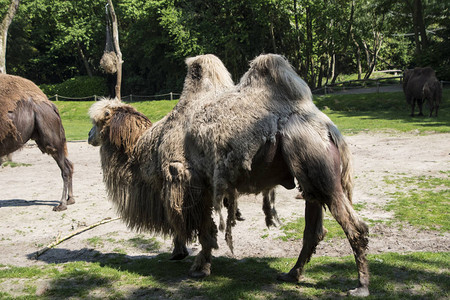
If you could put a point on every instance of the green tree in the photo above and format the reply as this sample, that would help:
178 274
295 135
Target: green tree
7 12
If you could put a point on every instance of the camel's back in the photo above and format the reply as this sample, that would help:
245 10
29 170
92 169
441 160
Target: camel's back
15 88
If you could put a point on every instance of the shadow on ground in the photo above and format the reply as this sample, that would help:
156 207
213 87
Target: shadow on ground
157 277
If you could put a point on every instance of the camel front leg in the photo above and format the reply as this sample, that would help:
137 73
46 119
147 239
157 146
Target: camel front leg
420 105
314 232
269 208
413 104
208 240
179 251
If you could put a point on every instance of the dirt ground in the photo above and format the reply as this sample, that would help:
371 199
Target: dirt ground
28 194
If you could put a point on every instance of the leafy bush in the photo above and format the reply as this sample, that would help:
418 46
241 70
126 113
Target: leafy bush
79 86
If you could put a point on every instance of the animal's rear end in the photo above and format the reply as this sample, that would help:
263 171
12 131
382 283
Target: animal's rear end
26 113
432 91
320 160
318 157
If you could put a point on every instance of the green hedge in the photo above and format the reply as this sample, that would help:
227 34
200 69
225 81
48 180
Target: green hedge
80 86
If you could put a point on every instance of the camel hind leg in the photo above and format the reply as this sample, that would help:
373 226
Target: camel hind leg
66 167
317 166
357 234
50 137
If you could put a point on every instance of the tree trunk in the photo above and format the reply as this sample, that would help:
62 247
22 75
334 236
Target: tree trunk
372 61
358 56
272 34
299 44
85 61
418 11
117 48
4 26
309 46
420 36
334 74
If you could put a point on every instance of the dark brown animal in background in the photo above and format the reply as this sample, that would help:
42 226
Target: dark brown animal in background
419 85
26 113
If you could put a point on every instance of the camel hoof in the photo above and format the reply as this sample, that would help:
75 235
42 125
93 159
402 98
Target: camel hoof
270 223
198 274
286 277
240 218
71 200
359 292
60 207
299 196
178 256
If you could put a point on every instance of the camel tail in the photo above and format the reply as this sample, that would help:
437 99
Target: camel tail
346 161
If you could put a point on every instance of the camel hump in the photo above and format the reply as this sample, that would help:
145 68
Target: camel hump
275 72
426 71
208 69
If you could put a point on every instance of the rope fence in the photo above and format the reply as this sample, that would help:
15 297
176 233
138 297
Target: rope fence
128 98
368 85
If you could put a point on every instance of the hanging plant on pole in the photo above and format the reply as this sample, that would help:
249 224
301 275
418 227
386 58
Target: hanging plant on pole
111 61
108 62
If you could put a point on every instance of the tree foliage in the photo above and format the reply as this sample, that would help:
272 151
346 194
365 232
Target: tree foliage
53 40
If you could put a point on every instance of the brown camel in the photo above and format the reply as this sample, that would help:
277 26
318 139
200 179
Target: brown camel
26 113
420 85
264 132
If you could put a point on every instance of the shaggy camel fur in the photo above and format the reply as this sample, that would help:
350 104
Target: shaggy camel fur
264 132
267 132
26 113
206 74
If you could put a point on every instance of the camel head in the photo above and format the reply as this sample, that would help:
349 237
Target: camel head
116 123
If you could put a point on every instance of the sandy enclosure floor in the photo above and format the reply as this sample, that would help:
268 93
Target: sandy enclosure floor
28 194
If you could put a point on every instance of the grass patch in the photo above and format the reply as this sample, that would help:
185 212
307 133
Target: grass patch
140 241
13 164
294 230
76 122
422 201
351 113
394 276
149 244
381 112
